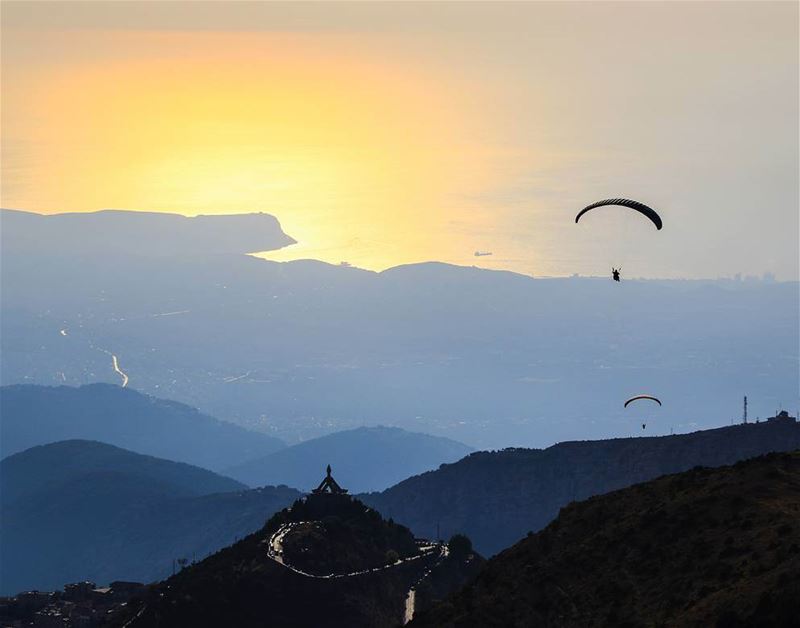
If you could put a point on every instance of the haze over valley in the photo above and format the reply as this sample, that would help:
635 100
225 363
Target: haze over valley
301 349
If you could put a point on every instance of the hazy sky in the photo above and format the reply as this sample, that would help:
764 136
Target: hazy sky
389 133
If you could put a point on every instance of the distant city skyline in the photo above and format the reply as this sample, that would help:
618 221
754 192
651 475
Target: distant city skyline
387 133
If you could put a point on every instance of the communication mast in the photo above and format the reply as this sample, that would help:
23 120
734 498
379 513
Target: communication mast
744 416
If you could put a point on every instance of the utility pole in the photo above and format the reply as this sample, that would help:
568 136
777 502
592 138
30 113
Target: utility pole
744 417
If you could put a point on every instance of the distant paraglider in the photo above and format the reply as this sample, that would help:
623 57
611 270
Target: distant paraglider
639 397
625 202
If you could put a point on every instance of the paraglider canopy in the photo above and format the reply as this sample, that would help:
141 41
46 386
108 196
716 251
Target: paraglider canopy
637 397
625 202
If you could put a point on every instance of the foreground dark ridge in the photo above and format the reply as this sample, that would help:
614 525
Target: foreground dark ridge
496 498
708 547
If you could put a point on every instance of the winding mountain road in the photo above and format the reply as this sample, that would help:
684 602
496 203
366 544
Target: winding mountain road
427 549
115 364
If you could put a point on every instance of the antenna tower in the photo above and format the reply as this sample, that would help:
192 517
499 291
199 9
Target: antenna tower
744 416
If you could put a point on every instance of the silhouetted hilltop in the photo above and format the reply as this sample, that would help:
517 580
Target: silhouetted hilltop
707 547
35 415
365 459
82 510
139 233
336 534
497 497
327 561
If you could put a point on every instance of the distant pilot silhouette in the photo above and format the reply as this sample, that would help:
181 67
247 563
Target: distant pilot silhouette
615 273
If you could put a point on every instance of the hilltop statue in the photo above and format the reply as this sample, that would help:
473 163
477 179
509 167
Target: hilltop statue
329 485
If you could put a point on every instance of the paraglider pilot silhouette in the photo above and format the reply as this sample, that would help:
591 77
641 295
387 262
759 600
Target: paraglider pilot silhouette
643 209
637 398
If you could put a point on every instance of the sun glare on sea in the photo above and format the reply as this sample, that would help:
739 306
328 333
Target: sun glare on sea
208 123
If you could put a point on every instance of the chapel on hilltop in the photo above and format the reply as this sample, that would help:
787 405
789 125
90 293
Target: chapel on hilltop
329 486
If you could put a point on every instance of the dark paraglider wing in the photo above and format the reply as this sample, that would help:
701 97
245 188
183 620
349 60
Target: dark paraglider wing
637 397
625 202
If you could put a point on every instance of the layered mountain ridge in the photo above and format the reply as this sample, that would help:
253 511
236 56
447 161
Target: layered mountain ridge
83 510
35 415
365 459
498 497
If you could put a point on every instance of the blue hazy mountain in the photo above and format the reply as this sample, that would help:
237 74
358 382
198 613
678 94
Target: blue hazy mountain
365 459
78 510
489 358
114 233
497 497
44 467
35 415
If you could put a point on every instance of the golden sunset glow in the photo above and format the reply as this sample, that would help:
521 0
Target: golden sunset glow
388 133
263 124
